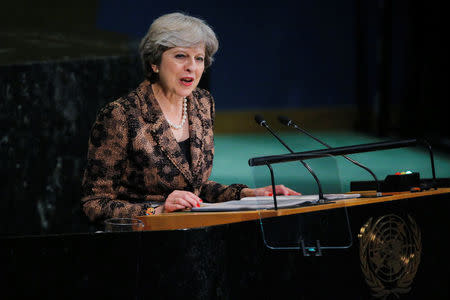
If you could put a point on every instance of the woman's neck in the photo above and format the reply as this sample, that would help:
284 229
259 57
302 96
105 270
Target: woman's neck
164 96
172 109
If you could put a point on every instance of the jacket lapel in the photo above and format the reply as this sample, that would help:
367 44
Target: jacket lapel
161 132
196 136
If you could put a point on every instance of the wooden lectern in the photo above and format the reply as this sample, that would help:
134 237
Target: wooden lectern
397 250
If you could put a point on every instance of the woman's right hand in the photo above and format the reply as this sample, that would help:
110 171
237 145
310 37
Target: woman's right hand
178 200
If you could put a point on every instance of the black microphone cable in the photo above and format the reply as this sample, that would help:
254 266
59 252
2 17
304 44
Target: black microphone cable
260 120
289 123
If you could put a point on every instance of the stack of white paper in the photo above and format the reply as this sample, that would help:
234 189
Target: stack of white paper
266 202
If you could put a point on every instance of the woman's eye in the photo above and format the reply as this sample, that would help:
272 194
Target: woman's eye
200 58
179 56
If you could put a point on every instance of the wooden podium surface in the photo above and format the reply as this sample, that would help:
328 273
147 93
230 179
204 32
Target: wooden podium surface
183 220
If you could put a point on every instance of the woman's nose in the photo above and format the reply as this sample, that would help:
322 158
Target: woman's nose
190 65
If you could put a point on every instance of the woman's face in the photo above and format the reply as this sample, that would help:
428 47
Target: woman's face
181 69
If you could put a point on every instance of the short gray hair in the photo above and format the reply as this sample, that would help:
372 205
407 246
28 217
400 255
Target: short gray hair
175 30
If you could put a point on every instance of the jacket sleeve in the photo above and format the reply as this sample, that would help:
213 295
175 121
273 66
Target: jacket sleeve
106 160
215 192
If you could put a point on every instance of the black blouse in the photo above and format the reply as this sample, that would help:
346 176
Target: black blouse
186 149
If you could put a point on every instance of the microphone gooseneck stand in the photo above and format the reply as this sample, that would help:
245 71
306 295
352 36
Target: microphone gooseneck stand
260 120
289 123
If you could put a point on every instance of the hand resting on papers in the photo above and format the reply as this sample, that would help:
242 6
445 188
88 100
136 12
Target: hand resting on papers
267 191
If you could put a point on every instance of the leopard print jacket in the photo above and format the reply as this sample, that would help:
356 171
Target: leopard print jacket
134 160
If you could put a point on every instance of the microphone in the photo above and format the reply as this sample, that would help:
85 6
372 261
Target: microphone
289 123
261 122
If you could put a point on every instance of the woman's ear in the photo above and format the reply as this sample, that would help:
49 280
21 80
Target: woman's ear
155 68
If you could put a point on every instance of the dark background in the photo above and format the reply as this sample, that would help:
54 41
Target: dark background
384 63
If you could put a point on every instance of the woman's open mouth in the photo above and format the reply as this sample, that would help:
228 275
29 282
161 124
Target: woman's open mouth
187 81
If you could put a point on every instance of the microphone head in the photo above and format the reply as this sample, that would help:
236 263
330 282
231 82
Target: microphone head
284 120
260 120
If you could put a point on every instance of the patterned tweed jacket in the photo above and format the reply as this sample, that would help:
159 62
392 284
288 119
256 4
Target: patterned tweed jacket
134 160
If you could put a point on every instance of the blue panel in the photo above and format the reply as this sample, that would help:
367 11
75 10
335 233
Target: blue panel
280 55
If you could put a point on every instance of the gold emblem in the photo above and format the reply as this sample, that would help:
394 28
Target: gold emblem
390 249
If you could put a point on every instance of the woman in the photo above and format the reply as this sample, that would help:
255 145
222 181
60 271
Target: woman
152 151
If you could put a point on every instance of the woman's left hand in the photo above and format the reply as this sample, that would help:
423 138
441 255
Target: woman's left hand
268 191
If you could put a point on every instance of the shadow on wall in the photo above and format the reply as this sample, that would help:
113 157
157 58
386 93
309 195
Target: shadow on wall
45 30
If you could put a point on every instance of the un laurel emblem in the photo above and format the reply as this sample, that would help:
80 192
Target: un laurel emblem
390 250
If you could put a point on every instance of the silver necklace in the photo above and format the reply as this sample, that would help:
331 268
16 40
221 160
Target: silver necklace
183 118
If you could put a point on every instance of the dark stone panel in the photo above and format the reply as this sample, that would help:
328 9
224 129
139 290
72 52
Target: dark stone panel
46 113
